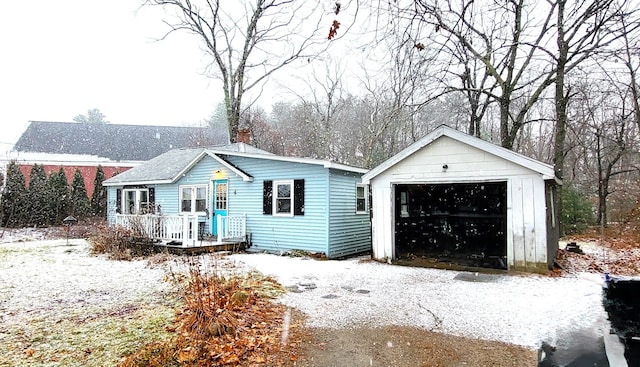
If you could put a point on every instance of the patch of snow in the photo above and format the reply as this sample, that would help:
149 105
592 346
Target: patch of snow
53 279
22 234
519 309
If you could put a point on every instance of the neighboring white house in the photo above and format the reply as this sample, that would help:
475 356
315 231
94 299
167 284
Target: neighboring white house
454 198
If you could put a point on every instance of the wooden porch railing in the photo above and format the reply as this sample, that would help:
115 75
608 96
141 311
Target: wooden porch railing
232 227
182 228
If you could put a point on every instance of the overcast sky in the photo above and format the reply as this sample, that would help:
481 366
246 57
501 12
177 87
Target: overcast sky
61 58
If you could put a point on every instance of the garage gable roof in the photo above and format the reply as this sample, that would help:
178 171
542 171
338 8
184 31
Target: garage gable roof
546 170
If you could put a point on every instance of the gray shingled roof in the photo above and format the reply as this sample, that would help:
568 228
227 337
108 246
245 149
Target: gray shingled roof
114 141
161 168
166 167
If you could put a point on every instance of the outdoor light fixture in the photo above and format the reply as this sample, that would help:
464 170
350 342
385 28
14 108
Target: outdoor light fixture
218 174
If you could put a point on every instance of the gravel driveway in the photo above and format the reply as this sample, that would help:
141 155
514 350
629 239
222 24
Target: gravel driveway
519 309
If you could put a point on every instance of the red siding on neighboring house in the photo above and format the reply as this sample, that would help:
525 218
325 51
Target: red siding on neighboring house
88 173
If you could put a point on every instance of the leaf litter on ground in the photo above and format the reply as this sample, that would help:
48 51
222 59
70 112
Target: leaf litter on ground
226 319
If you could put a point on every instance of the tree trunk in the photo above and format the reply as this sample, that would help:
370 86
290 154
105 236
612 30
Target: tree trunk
603 192
562 101
505 137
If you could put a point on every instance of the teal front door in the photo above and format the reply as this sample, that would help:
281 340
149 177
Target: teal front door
220 200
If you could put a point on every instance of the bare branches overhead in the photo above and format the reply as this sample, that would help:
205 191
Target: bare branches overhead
248 41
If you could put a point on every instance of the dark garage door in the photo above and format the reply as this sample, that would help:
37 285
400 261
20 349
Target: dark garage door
461 224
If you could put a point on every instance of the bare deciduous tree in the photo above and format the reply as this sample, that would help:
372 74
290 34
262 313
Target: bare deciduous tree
583 28
629 56
506 40
248 41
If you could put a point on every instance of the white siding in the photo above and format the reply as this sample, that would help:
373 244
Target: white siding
382 222
515 226
528 220
464 162
540 222
527 226
526 208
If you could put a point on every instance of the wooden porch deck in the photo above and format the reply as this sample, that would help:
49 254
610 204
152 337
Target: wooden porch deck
201 247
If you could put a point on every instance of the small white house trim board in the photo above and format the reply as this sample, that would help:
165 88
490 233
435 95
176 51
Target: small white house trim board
451 197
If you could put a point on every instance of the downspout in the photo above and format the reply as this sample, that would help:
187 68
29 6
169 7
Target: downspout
370 198
328 214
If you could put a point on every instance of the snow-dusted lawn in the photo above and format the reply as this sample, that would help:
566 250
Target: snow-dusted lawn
60 306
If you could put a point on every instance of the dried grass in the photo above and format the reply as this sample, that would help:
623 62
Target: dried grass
100 339
120 243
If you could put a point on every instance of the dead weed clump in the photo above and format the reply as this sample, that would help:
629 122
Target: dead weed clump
120 243
224 321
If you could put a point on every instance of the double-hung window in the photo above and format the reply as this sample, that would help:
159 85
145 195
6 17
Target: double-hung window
283 198
193 199
362 201
136 201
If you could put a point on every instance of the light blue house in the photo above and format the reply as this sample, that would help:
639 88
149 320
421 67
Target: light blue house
241 193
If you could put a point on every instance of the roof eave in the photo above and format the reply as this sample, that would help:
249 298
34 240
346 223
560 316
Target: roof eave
326 164
426 140
134 183
342 167
186 168
245 177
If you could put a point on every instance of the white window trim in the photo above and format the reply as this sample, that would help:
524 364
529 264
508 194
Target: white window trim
138 203
274 198
366 199
194 192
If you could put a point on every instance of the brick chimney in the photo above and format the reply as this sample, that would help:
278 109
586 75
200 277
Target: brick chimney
244 136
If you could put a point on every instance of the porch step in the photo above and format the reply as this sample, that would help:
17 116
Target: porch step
176 248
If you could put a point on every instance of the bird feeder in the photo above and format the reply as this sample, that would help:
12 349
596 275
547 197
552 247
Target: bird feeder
68 222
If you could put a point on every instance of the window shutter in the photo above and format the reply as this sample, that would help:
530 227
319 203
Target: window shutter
152 199
267 198
119 201
152 195
298 197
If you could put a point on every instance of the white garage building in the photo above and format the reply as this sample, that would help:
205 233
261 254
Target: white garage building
451 198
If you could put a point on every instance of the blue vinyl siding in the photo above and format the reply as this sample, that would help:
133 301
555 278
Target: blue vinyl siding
168 195
270 233
349 233
329 224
